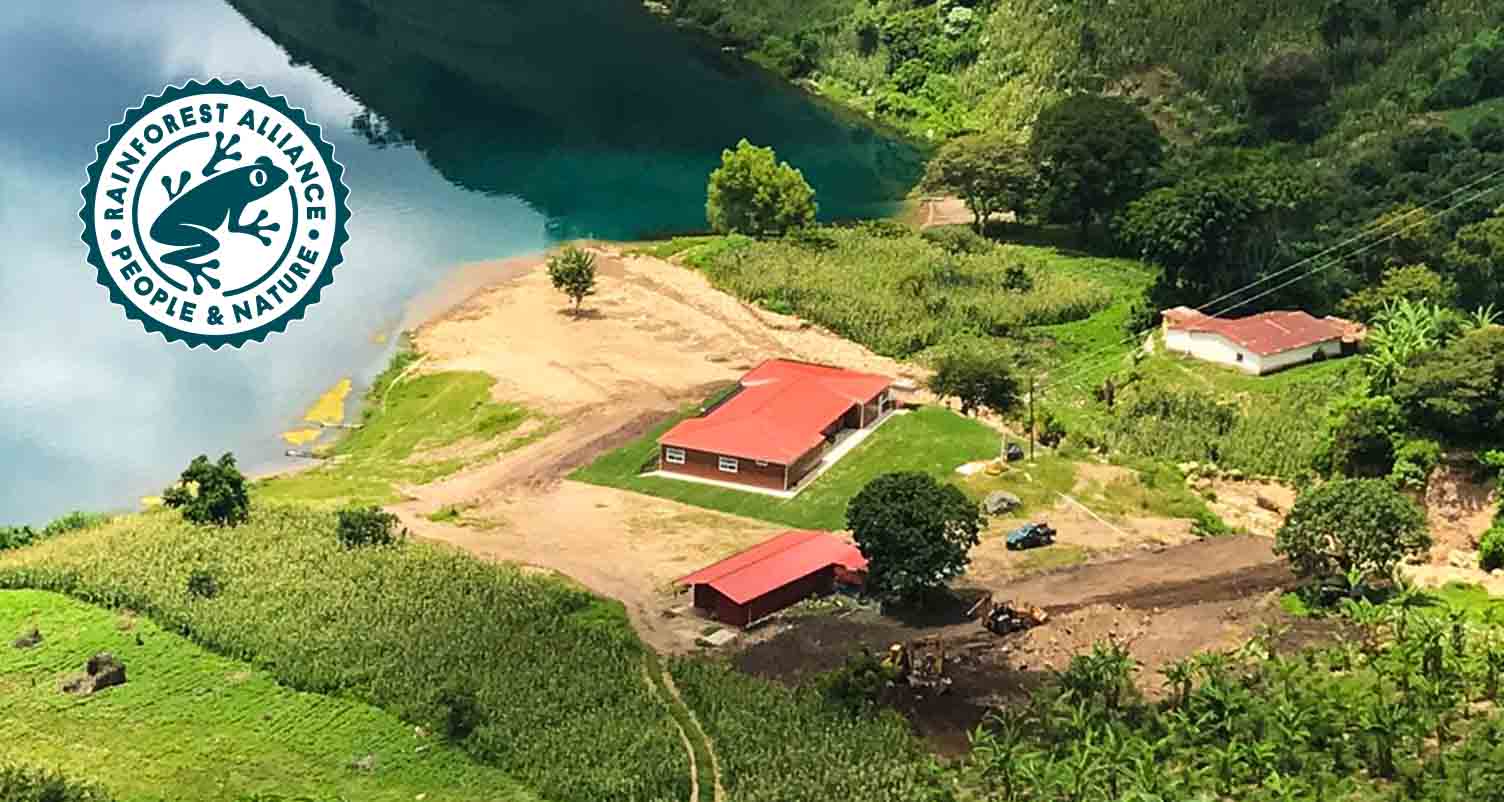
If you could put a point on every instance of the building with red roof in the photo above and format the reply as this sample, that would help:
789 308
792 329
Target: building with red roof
747 587
775 426
1261 343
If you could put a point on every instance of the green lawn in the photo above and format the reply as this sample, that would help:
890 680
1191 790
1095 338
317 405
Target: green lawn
932 439
204 727
417 430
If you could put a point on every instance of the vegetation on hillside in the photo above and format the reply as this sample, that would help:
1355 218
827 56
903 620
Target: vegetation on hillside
549 675
192 726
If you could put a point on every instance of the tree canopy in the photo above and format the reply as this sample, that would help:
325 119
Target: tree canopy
978 377
755 194
989 173
914 531
1094 154
572 272
1359 525
1458 390
211 492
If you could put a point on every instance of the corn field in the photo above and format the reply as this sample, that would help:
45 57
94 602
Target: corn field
544 676
900 295
780 745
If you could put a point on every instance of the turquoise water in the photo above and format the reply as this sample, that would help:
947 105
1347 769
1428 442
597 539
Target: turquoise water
468 130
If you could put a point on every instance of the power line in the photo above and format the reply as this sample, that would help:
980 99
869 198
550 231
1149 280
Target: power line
1339 260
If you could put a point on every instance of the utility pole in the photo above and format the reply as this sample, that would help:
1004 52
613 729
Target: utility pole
1031 417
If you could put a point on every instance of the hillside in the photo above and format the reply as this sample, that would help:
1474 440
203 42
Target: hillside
942 68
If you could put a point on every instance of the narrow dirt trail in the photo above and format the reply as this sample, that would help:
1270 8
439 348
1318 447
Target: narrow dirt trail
689 750
715 762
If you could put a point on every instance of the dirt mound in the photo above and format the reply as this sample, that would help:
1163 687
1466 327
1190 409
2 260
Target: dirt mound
102 671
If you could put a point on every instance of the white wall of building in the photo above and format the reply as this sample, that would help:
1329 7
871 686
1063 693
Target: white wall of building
1216 348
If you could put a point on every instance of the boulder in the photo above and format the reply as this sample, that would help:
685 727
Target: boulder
1014 452
102 671
1001 501
1462 558
28 640
1266 503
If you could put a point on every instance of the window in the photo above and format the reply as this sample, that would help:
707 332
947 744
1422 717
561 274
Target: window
1240 356
762 464
673 456
727 464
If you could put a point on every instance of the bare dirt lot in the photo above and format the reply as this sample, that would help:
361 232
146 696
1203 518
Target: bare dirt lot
1164 605
653 338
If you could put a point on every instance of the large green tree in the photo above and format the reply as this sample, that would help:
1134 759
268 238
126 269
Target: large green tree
1094 154
755 194
989 173
978 377
1287 91
915 532
1351 525
1413 283
211 492
1476 262
1458 390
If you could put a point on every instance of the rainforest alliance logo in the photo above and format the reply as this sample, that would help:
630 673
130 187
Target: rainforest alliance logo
215 213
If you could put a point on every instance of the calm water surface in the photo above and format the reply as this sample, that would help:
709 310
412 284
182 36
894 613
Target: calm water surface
469 130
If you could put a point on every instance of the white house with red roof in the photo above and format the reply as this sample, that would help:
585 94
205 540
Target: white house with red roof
1261 343
776 426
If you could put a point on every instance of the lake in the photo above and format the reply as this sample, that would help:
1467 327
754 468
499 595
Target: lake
468 131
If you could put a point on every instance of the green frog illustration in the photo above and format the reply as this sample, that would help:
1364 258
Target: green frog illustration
193 217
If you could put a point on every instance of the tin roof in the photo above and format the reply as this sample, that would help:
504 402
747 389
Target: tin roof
774 563
1266 333
779 412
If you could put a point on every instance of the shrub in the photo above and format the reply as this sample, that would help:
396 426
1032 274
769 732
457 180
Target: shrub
461 713
211 493
754 193
1458 391
202 584
956 240
858 684
15 537
812 238
20 784
1360 437
1476 72
1361 525
1491 547
1413 463
367 526
1487 134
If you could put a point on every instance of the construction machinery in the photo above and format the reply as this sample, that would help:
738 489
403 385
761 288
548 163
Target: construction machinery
1004 618
919 664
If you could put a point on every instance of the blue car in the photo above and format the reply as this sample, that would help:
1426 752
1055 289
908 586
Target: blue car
1031 536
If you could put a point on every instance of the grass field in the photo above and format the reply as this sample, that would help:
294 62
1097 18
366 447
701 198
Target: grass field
192 725
430 425
932 440
545 676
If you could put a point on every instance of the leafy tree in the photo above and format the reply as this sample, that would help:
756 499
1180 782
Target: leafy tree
1414 283
753 193
1288 90
1095 154
211 493
858 684
1195 230
978 377
1360 438
1458 391
367 526
1476 72
1487 134
990 174
1359 525
914 531
1476 262
1491 546
572 272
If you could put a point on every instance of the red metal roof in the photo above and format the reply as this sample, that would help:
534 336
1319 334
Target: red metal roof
1266 333
779 412
774 563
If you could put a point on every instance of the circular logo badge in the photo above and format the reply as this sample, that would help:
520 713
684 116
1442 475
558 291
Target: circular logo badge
215 213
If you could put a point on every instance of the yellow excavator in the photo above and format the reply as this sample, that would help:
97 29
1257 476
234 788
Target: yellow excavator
1004 618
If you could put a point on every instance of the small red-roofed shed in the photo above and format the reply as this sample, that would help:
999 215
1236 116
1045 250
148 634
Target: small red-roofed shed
751 585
